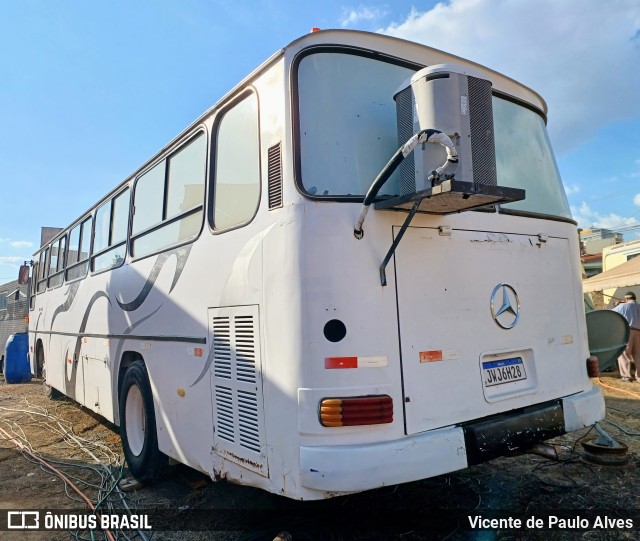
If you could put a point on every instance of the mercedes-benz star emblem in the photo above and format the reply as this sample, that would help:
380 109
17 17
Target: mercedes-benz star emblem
507 312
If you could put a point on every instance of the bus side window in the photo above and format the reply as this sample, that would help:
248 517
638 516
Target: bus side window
33 284
57 263
74 246
53 259
236 166
78 253
110 235
43 265
169 200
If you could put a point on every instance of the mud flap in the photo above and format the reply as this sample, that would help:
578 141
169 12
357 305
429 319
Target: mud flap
514 431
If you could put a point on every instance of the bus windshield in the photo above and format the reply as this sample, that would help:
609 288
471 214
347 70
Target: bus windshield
347 133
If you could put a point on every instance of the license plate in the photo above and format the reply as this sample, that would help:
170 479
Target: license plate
503 371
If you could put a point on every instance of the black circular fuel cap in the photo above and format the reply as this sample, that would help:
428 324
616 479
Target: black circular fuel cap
334 330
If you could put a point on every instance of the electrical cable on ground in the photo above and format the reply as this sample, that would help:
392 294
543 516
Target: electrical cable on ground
111 498
23 448
636 395
622 429
624 391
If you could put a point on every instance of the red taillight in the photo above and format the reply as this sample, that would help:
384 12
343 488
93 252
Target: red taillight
362 410
593 367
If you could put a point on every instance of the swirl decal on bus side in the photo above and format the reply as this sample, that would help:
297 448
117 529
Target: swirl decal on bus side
71 295
35 333
207 364
127 331
38 323
182 254
70 381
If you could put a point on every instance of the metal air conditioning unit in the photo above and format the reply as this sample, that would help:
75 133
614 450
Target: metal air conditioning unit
453 100
447 105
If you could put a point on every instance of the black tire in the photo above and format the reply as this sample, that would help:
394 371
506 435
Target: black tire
50 392
39 361
138 425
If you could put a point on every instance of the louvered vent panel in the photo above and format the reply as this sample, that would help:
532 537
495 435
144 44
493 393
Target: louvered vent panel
404 123
222 347
237 382
224 413
483 150
245 349
248 421
274 176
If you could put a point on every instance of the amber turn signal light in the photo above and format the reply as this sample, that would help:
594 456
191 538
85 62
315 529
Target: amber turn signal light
355 411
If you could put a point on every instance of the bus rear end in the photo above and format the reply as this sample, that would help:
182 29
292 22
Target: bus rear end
452 330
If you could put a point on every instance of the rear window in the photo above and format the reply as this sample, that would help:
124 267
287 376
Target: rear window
348 131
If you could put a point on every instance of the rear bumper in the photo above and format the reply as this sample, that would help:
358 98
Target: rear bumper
583 409
352 468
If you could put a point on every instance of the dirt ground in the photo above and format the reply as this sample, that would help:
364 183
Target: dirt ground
75 441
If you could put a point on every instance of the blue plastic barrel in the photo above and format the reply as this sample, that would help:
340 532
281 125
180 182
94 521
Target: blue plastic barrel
16 361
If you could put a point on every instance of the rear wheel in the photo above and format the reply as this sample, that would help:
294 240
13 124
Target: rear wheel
50 392
138 425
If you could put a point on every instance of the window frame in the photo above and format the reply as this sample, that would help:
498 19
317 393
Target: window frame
93 255
131 237
61 263
295 109
528 213
43 269
80 223
33 286
220 114
374 55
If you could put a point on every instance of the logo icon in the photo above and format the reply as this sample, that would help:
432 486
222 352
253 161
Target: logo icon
23 520
505 306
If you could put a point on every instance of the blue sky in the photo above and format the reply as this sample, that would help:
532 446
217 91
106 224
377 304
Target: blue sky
91 90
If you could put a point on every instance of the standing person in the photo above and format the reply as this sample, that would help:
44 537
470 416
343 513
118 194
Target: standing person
631 312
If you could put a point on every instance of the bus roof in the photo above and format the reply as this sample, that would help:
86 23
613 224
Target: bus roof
417 52
391 46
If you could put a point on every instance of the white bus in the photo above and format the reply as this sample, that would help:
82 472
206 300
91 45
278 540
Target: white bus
230 308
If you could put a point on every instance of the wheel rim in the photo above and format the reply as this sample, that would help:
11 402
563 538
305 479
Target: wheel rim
135 419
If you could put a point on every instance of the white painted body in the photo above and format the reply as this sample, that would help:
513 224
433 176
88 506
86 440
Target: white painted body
289 271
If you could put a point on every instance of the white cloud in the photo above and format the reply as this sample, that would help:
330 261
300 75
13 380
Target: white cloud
352 17
21 244
578 55
588 218
571 190
636 200
10 260
9 266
